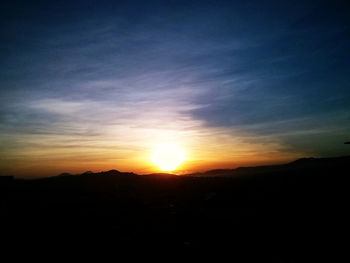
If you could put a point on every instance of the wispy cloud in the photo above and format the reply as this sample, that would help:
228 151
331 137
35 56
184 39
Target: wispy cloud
223 80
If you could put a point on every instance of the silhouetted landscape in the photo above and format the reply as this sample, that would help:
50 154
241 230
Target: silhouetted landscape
283 213
121 123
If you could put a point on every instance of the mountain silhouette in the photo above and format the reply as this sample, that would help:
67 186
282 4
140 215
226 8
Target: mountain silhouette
299 164
275 213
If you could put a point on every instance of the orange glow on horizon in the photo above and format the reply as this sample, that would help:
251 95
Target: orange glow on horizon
203 148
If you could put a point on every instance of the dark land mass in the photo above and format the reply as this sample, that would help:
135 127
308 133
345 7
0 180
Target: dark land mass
294 212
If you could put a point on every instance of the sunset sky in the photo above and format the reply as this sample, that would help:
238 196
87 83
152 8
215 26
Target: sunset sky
99 85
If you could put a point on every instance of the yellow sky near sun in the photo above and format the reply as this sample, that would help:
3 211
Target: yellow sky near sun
99 137
131 150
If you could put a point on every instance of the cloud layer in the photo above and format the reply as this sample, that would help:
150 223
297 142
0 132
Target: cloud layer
233 83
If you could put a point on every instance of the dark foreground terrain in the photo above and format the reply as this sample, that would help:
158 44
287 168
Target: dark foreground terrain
288 213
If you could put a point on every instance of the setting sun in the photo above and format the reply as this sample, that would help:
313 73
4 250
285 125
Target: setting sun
168 157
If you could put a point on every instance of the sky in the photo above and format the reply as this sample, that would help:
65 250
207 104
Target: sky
99 85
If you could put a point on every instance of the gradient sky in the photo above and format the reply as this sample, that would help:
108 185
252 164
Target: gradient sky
97 85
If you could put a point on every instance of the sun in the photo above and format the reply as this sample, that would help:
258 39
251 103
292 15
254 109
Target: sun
168 157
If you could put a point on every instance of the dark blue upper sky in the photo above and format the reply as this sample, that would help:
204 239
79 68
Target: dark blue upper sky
262 71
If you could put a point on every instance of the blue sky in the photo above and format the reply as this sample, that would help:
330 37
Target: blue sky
102 82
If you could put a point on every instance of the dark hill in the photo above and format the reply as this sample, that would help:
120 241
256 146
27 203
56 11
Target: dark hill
283 213
300 164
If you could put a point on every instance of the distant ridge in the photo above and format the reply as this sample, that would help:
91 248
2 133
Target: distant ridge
92 174
302 163
299 164
64 174
160 175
